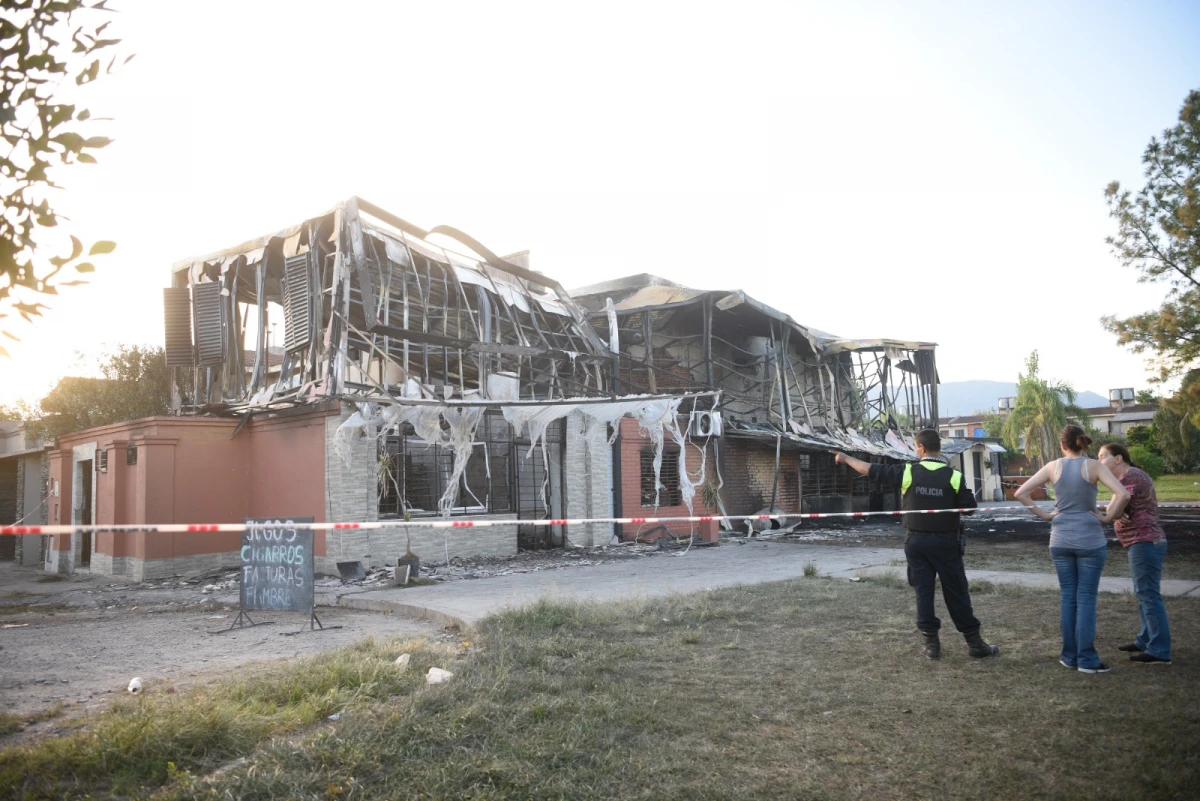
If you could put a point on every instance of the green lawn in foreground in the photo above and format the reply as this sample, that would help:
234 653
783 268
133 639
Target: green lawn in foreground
1182 487
813 688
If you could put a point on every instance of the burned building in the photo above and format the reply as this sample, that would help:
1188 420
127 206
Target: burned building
787 394
355 367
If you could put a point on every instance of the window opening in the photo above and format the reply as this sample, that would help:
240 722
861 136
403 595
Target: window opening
670 494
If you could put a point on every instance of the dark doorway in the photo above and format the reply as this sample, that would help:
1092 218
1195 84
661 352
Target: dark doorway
85 514
8 505
536 488
977 464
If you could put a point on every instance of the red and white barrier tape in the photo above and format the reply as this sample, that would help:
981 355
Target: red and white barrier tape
200 528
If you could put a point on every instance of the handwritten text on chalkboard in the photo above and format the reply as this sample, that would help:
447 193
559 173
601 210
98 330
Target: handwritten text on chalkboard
277 566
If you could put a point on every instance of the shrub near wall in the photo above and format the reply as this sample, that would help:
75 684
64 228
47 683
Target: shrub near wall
1149 461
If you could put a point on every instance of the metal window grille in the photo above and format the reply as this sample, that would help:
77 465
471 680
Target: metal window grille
413 474
208 313
177 314
297 301
670 494
101 460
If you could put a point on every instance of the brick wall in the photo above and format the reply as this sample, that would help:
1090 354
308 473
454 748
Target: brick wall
587 476
352 494
633 442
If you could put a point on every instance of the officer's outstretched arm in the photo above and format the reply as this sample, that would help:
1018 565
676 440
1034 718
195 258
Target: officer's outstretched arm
857 465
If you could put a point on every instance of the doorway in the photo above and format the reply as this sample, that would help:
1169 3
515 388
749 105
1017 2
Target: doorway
85 513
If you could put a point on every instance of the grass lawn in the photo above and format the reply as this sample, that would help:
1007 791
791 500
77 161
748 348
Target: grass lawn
1183 487
813 688
1034 557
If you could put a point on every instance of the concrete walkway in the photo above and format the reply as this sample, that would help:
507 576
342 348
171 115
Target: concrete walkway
466 602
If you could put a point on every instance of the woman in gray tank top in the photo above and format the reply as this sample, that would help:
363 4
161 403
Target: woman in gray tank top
1077 543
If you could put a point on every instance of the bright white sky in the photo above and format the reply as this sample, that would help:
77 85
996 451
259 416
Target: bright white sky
918 170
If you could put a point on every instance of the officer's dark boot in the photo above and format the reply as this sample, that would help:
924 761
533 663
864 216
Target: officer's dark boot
978 648
933 646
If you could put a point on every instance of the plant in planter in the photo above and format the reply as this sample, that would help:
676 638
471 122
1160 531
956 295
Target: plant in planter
409 558
711 497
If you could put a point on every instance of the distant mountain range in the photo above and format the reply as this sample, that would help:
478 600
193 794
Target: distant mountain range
958 398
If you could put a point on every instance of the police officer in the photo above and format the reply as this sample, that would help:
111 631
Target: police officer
932 545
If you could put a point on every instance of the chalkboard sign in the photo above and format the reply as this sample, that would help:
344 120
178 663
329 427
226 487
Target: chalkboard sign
277 566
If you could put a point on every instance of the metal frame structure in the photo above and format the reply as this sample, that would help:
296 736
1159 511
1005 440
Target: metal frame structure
374 309
773 374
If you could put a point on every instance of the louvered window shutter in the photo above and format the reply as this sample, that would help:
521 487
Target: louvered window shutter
209 322
177 308
297 302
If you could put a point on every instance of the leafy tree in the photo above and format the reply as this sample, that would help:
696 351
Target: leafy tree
1158 234
1041 410
1177 440
1101 438
135 382
1147 460
1142 436
1145 396
42 44
993 423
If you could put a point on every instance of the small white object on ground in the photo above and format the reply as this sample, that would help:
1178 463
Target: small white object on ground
856 578
335 716
402 661
135 684
437 676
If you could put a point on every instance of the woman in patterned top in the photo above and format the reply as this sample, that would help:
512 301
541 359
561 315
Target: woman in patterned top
1141 534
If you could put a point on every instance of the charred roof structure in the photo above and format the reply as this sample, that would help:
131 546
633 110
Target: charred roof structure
367 306
775 376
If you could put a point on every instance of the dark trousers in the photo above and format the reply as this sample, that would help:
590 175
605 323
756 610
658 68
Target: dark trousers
931 557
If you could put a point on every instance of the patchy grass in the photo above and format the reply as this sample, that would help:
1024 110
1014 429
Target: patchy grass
804 689
811 570
146 741
10 722
800 689
1034 557
888 578
48 607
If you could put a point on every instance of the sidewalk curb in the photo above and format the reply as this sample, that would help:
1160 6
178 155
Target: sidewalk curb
415 611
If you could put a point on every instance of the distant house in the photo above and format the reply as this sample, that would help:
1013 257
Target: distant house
22 491
963 426
1122 413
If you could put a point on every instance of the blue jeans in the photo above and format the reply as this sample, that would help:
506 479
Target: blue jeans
1145 566
1078 582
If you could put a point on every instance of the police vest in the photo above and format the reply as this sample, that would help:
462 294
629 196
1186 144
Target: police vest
930 485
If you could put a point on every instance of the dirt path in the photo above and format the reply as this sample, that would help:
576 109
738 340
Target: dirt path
78 642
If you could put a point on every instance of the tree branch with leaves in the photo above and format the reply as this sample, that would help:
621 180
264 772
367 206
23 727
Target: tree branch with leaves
48 49
1158 235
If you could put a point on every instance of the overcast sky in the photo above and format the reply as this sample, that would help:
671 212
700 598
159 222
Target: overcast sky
922 171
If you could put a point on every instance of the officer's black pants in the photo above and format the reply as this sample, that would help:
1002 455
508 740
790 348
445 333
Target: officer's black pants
930 557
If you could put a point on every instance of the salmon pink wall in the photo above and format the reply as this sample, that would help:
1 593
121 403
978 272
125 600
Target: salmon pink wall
194 470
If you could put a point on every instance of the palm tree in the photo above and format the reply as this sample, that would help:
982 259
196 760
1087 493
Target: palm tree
1041 410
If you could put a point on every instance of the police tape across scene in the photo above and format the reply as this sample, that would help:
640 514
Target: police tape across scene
441 523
